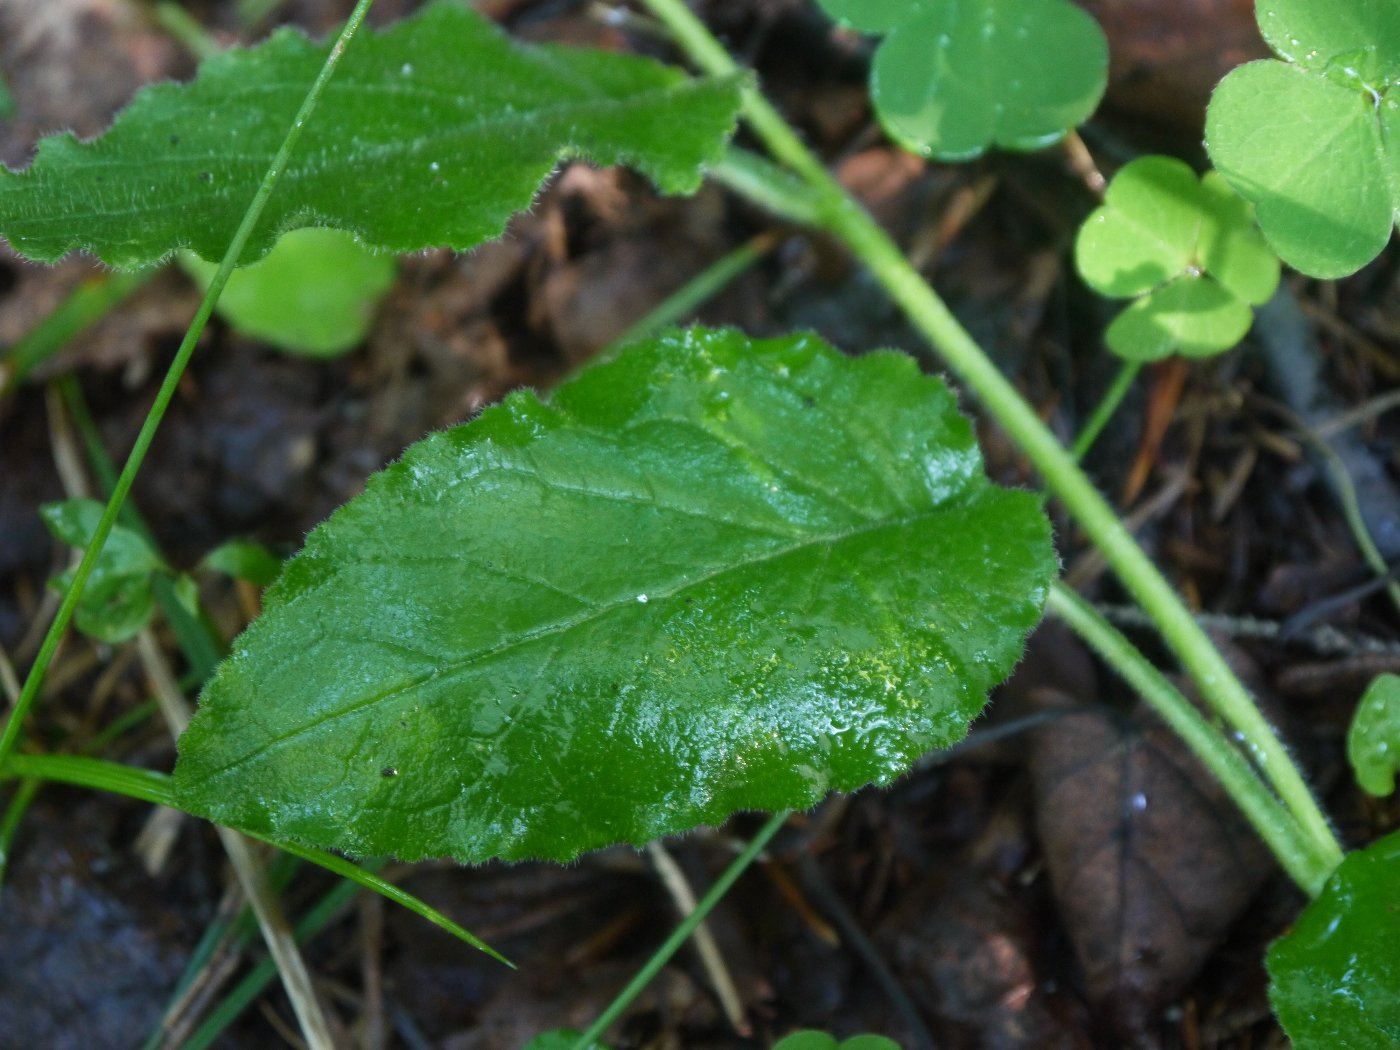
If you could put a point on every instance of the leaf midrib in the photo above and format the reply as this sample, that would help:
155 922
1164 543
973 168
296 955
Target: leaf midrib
470 661
353 159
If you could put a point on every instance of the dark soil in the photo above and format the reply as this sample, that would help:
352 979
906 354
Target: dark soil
1069 878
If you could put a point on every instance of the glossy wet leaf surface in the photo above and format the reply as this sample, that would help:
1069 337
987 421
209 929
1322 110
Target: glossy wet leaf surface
705 576
1335 977
1186 250
432 132
952 79
1314 140
1373 742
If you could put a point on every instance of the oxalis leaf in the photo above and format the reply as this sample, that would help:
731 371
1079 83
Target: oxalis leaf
431 133
1314 140
1186 250
1335 977
313 294
701 577
951 79
1373 742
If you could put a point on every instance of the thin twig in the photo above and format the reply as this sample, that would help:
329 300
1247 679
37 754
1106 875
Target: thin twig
684 897
296 979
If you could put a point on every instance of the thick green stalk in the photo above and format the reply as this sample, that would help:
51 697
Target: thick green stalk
843 217
1213 677
1260 806
40 667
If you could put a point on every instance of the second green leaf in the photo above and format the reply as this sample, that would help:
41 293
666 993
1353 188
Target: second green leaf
702 577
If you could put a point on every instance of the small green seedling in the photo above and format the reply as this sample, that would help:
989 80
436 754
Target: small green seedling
314 293
952 79
1185 250
561 1039
244 560
118 600
1373 743
1314 140
814 1039
710 573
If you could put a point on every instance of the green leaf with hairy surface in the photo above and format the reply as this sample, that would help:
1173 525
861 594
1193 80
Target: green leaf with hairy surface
313 294
711 574
952 79
118 600
1335 977
1373 742
1314 141
1186 249
433 132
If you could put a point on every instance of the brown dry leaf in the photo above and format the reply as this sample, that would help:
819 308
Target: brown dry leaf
965 942
1150 861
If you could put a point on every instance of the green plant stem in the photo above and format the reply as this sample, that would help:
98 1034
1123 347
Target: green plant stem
224 933
699 289
28 790
10 822
682 932
199 643
241 996
842 216
1261 808
1108 404
147 785
187 29
66 608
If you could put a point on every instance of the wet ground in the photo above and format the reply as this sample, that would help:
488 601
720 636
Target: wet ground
1067 879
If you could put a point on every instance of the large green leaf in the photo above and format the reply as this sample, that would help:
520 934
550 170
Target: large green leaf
1314 142
1335 977
951 79
711 574
431 133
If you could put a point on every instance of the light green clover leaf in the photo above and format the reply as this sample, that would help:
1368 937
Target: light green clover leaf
1185 250
951 79
1373 742
313 294
1314 140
